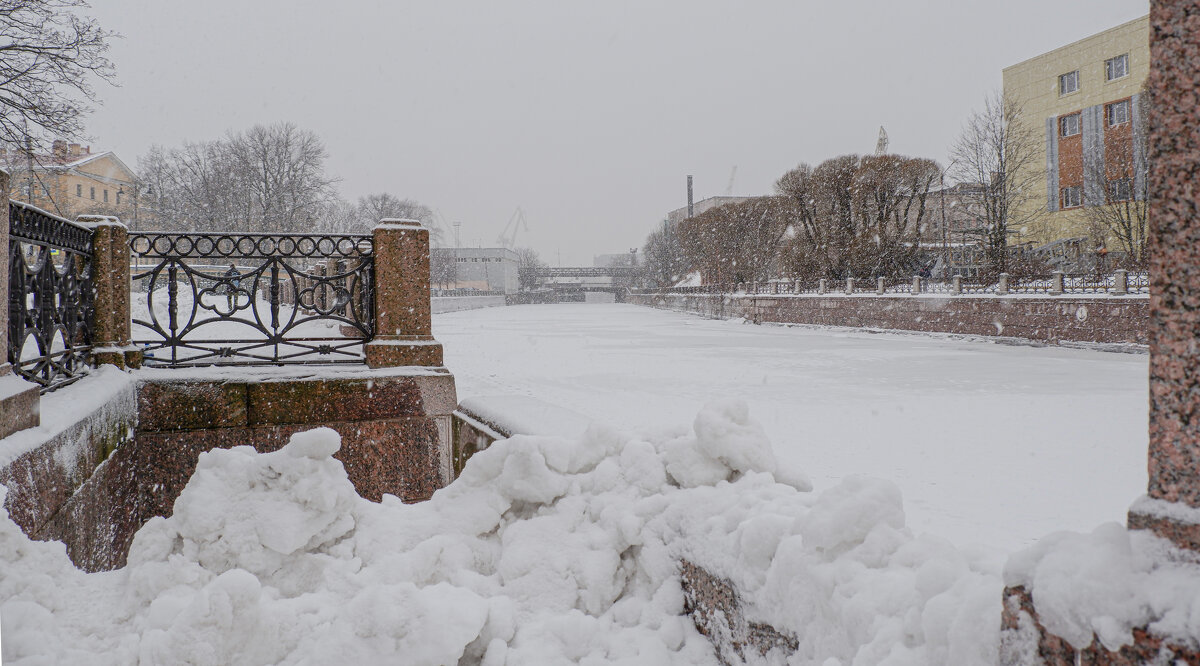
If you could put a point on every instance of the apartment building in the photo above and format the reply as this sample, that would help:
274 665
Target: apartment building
1086 100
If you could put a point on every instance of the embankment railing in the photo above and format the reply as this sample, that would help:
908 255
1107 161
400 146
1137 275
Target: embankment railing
1118 283
50 296
252 299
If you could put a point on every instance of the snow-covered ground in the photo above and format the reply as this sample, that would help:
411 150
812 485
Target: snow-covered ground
991 444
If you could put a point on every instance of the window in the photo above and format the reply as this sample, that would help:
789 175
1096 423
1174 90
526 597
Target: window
1117 112
1069 125
105 196
1120 190
1071 197
1068 83
118 197
93 193
79 191
1115 68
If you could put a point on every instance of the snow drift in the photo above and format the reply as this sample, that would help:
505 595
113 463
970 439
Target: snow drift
546 550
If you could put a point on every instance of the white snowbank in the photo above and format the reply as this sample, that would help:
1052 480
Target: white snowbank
546 550
1108 583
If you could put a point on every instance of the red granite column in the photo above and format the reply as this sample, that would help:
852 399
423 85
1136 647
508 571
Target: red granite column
1173 507
403 331
110 276
19 399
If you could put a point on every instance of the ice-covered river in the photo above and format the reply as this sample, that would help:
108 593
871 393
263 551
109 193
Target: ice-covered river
991 444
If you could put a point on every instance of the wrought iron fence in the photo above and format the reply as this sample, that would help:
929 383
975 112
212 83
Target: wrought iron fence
50 296
1031 284
1138 283
1087 284
252 299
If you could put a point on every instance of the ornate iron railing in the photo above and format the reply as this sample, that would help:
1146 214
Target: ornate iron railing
252 299
50 296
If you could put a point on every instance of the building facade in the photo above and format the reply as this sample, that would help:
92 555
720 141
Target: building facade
477 268
72 180
1085 99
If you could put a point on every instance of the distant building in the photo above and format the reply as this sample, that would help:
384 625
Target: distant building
1085 98
73 181
680 214
481 269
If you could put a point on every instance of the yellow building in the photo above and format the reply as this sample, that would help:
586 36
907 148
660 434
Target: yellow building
73 181
1085 100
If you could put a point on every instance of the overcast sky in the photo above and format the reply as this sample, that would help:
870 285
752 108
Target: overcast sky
588 115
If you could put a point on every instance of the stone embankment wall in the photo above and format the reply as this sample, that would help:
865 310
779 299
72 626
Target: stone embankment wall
1049 319
94 484
456 303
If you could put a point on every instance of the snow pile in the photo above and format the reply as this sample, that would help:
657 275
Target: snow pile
1108 583
546 550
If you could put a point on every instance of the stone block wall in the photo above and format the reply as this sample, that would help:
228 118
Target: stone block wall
1100 319
395 429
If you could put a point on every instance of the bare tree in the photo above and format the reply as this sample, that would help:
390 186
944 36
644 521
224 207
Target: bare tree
269 178
737 242
282 172
1123 171
1000 150
529 261
49 58
857 216
664 263
375 207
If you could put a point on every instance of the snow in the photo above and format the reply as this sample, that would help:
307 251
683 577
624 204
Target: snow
1107 583
104 388
991 444
545 550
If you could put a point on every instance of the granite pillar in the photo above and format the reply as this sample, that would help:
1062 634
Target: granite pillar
1174 244
110 277
19 399
403 330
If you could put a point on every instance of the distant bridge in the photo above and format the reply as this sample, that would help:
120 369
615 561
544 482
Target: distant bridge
580 272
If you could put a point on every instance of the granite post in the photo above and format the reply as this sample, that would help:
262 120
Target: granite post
1172 508
20 400
403 330
110 278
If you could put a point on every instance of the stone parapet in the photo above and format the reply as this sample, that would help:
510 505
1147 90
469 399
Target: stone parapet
1099 319
395 428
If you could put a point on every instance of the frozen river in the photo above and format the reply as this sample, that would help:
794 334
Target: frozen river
991 444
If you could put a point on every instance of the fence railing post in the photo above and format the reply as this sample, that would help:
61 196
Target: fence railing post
403 326
110 277
1056 283
796 286
956 284
822 286
1002 284
916 285
20 401
1120 282
880 285
849 286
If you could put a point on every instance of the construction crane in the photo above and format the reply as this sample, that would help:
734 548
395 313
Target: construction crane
508 237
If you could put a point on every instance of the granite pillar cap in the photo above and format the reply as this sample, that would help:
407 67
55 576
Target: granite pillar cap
93 221
401 223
